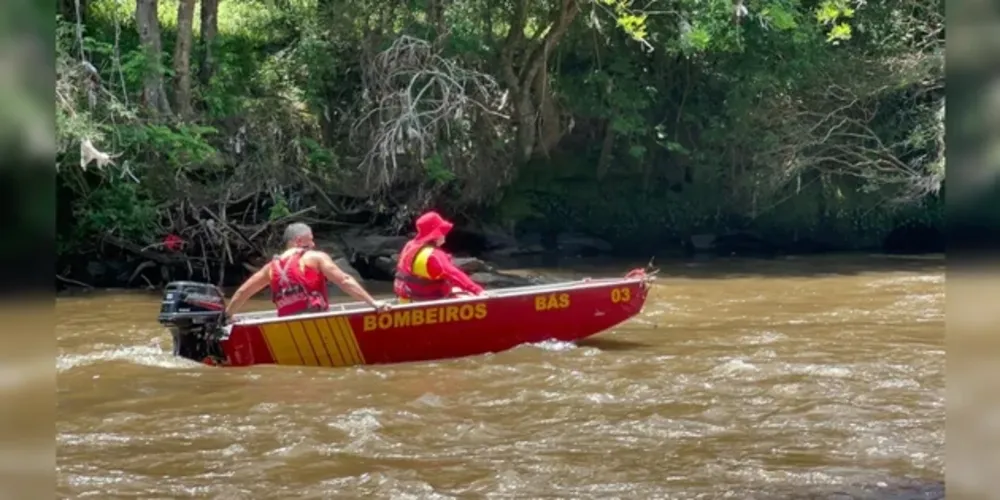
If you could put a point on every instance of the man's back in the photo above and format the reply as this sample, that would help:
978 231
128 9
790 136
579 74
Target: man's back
297 286
310 259
312 270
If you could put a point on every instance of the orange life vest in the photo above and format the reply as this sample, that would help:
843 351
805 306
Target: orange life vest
413 282
295 290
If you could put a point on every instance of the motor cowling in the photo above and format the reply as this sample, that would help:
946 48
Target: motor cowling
195 314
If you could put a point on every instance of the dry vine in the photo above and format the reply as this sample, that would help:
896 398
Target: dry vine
832 129
416 98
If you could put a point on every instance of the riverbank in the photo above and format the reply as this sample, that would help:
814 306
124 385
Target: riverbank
197 244
549 268
489 256
486 252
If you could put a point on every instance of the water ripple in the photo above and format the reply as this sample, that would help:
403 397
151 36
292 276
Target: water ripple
827 387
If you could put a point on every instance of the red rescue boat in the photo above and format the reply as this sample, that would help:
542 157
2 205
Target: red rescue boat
354 334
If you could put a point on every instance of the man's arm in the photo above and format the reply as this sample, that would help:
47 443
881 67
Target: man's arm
345 281
249 288
441 265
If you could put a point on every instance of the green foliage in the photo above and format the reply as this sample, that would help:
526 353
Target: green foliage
436 171
834 14
121 209
280 207
631 22
181 146
714 108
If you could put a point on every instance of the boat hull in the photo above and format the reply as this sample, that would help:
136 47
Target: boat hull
436 330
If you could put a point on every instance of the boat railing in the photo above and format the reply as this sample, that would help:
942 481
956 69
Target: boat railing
348 307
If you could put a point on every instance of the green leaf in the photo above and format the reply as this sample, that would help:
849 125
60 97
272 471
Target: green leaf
637 151
780 18
839 32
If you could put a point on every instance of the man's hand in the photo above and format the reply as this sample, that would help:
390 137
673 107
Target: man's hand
381 305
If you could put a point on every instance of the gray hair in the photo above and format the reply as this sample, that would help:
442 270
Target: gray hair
295 231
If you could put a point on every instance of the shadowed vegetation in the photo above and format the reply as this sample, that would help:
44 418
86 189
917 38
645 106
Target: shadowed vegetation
639 123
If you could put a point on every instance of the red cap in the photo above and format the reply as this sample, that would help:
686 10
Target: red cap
431 226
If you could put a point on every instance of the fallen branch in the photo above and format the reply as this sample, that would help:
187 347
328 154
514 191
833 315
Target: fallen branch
74 282
283 218
154 245
146 254
145 265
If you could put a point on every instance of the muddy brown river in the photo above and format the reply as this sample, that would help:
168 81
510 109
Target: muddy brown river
788 378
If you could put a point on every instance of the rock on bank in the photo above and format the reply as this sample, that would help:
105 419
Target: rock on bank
374 256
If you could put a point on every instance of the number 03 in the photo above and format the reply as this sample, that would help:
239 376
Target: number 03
619 295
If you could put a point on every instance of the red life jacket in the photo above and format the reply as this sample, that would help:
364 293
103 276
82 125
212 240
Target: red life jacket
294 290
413 282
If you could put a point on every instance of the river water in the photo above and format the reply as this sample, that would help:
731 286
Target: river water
789 378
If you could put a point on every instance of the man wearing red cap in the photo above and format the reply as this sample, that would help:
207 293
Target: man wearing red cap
424 270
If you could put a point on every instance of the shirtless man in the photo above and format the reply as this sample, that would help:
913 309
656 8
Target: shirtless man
298 278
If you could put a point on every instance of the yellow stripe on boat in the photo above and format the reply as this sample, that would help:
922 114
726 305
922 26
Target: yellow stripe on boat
332 341
329 343
351 340
313 342
302 342
316 340
338 343
343 341
279 339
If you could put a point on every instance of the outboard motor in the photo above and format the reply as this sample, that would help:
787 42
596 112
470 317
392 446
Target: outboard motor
195 314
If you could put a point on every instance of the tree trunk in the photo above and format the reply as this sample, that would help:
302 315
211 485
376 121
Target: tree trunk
527 132
148 23
68 9
550 126
182 57
75 10
435 14
528 78
209 28
607 148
